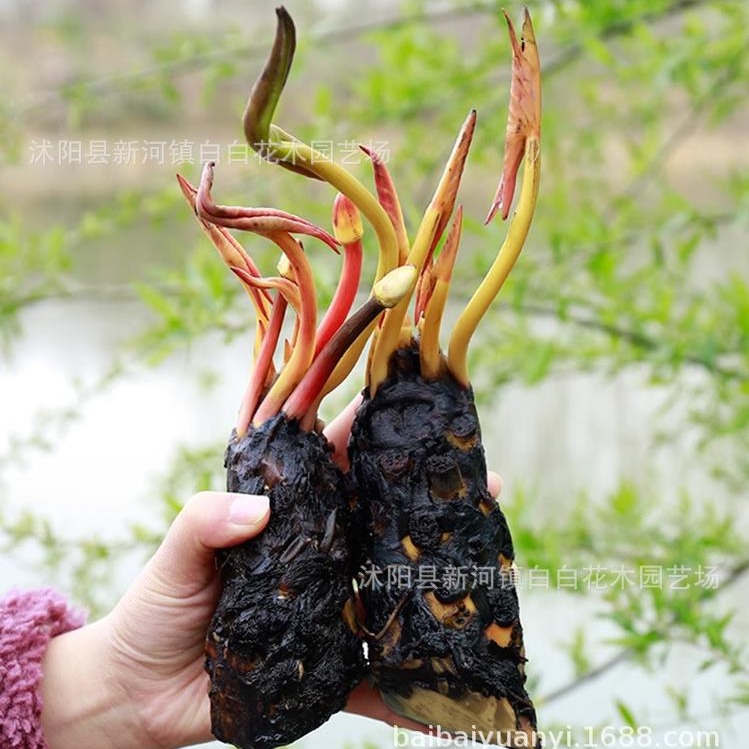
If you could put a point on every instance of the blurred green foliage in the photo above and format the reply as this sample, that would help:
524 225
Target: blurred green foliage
629 268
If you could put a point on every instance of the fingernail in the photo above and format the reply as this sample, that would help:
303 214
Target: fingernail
248 509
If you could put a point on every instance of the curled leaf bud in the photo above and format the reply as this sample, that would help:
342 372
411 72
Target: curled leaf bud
347 224
394 286
284 267
267 90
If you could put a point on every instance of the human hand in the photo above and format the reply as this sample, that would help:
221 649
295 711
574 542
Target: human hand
135 679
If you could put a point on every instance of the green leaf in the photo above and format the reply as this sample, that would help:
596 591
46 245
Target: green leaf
625 713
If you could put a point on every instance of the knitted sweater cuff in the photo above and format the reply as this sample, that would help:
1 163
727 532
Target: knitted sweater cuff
28 620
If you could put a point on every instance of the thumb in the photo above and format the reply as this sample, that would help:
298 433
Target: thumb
183 564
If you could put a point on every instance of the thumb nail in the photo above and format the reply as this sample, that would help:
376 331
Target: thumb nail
248 509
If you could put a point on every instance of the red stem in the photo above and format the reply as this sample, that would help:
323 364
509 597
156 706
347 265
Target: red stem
306 392
304 345
344 296
259 376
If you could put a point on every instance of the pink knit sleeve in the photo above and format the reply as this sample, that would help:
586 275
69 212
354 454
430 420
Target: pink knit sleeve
28 620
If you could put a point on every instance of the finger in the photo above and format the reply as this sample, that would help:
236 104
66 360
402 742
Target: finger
338 431
366 700
208 521
494 483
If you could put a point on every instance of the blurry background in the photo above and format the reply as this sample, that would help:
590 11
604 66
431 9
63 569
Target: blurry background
613 373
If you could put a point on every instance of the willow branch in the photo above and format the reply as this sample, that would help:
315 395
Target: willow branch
625 654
